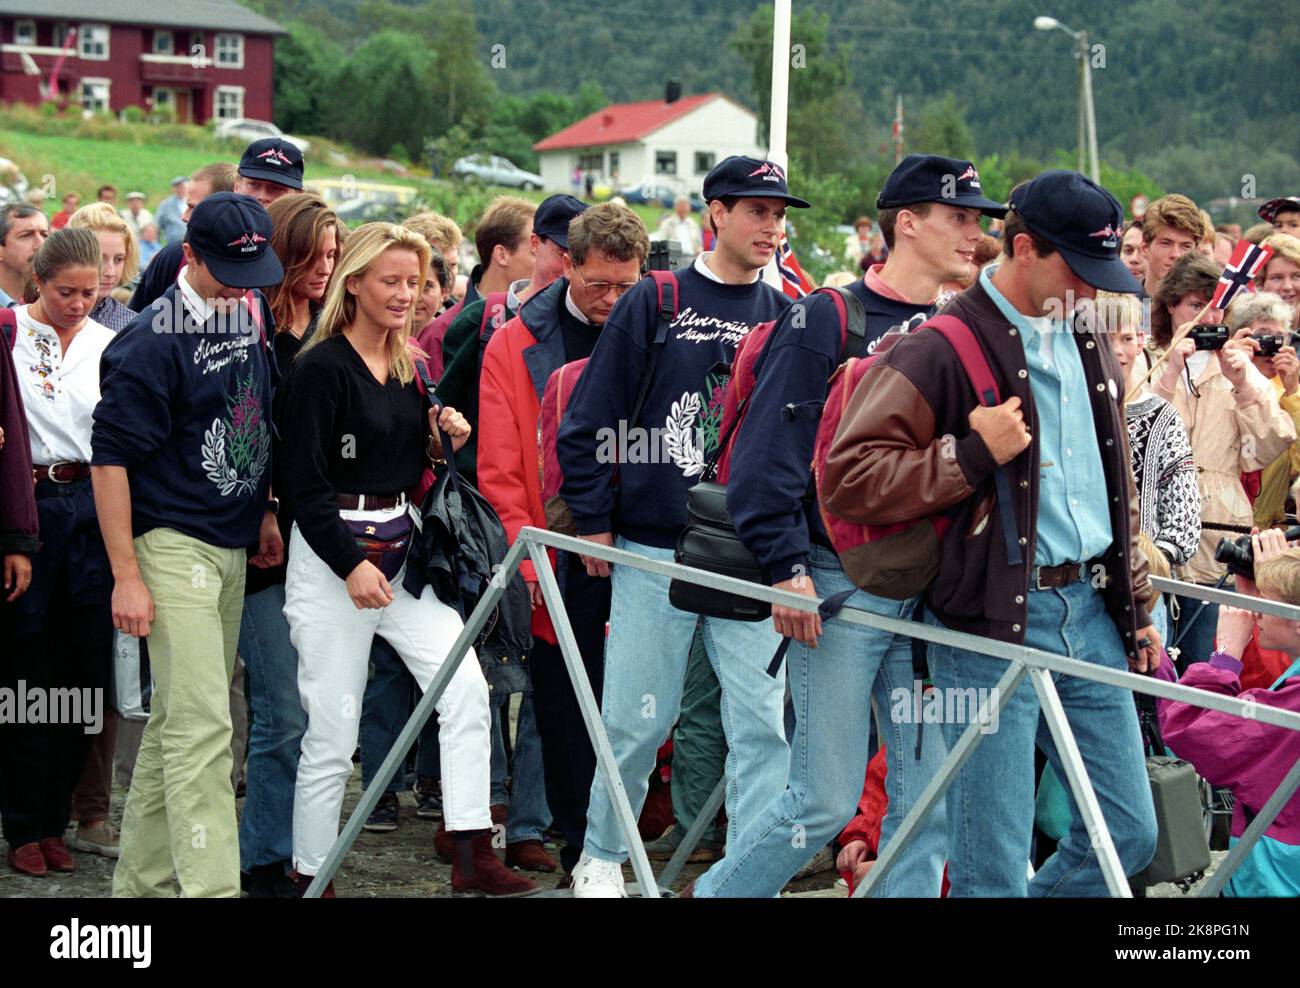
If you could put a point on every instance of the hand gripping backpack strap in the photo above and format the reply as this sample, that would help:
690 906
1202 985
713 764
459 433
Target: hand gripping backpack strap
827 609
977 369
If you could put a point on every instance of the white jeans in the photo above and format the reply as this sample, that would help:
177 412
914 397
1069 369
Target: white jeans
333 640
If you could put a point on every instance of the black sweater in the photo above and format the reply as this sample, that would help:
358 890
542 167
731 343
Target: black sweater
345 433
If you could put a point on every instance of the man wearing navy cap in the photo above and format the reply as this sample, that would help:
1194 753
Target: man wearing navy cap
720 298
1283 213
181 469
930 209
1055 565
270 168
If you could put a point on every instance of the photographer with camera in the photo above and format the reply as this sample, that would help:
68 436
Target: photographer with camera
1232 416
1244 755
1265 318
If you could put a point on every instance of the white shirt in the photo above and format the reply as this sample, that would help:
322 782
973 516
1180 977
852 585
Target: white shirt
685 231
59 391
701 266
200 309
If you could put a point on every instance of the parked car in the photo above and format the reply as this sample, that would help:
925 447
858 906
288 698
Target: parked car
248 130
494 170
656 193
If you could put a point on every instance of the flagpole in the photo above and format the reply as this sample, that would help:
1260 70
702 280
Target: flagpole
780 106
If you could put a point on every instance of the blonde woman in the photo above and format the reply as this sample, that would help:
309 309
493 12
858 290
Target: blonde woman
356 437
1169 503
121 257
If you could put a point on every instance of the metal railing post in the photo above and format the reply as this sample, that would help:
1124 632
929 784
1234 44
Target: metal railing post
415 723
703 820
590 713
1077 775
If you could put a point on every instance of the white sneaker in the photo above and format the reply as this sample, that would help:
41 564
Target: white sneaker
597 879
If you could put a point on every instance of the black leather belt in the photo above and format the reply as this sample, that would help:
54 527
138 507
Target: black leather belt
63 472
370 502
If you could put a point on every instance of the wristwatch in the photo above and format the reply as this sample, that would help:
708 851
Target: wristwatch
273 505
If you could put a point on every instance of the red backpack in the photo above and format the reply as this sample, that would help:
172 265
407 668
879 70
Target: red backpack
751 348
899 561
555 405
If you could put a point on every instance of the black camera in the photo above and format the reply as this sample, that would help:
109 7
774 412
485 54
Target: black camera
665 255
1270 344
1210 337
1239 556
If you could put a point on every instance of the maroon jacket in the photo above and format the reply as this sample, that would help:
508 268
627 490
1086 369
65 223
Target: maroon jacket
892 462
18 528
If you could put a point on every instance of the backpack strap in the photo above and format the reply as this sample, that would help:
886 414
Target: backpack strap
424 381
827 609
666 291
853 321
976 365
9 326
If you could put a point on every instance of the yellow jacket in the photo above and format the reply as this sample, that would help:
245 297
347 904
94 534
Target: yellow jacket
1275 482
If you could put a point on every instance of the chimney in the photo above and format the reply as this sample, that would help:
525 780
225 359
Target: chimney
673 91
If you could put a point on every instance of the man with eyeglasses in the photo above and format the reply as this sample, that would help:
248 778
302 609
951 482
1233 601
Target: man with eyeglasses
600 252
720 299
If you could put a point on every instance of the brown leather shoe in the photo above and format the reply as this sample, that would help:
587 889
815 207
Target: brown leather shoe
444 845
56 854
490 876
529 855
28 860
500 813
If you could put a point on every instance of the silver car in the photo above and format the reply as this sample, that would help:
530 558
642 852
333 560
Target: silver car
249 130
492 170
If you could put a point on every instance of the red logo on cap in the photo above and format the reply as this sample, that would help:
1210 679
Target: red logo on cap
247 242
275 156
769 172
1107 232
970 173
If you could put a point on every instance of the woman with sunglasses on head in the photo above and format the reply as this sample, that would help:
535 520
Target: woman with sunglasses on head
356 437
59 633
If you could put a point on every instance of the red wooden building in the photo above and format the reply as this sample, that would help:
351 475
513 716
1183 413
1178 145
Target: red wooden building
204 58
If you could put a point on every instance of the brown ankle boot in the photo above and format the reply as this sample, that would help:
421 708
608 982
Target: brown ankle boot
529 855
488 875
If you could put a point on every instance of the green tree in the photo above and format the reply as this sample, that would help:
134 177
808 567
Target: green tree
942 129
306 64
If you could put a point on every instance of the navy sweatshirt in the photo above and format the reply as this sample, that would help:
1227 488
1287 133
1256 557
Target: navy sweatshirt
768 490
682 412
189 415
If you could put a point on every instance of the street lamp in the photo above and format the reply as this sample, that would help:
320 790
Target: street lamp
1087 113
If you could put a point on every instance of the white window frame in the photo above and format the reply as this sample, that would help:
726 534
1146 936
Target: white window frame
25 26
87 32
219 51
94 82
158 35
235 91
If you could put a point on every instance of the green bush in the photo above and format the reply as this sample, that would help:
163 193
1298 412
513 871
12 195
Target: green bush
133 114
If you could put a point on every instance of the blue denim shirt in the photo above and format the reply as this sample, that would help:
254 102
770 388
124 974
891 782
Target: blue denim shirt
1073 521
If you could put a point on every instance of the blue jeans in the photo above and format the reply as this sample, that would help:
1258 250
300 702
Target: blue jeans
832 688
991 802
529 816
389 700
1198 645
278 723
645 667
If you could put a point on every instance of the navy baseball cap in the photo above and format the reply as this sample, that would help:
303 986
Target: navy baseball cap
273 159
551 221
934 178
232 234
1081 220
749 178
1268 212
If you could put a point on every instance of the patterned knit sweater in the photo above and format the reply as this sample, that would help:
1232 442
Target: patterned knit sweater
1168 498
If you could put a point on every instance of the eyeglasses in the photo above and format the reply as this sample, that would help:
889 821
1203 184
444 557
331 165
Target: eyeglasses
600 288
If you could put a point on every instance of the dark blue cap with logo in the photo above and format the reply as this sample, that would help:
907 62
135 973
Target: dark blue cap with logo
749 178
273 159
553 216
1268 212
934 178
232 235
1081 220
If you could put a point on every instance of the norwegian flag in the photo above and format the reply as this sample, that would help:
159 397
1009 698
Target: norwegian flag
1247 261
794 282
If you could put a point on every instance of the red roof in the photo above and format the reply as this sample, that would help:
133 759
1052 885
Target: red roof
621 123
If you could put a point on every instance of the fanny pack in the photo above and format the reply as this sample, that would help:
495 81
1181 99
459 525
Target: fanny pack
385 543
709 542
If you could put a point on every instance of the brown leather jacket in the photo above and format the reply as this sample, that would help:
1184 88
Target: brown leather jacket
905 451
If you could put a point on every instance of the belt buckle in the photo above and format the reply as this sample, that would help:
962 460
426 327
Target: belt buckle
49 472
1038 579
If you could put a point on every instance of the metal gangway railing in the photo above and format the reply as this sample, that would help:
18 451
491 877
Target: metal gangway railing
1022 662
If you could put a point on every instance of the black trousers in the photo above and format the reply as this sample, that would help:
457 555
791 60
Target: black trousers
55 638
567 755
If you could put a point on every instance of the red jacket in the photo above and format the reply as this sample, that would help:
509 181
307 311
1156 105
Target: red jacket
517 362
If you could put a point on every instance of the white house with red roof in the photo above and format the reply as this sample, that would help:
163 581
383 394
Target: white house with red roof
670 142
